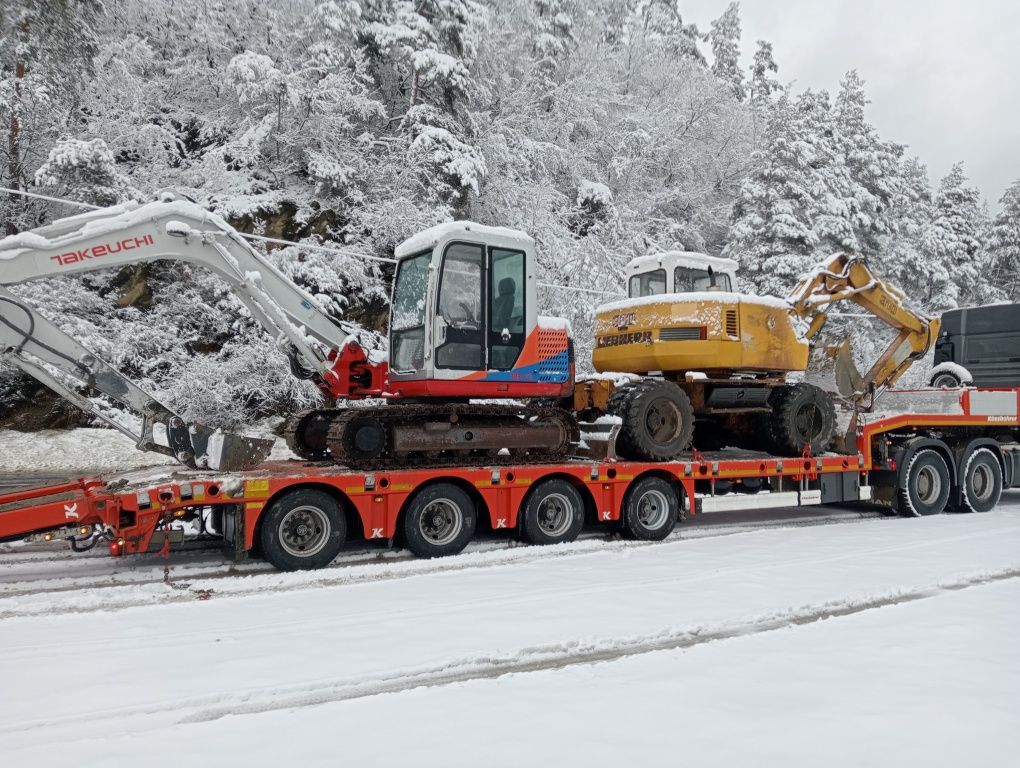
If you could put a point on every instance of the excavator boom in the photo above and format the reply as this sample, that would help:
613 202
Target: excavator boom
320 347
848 277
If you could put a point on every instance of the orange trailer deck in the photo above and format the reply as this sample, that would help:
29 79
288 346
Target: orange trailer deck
924 452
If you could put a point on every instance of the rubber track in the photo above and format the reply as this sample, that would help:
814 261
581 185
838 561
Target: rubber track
508 416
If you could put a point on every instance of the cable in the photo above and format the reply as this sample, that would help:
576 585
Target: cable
28 335
309 246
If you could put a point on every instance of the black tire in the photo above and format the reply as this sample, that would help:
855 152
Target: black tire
651 508
980 482
750 485
945 380
553 513
658 420
802 415
925 490
302 529
439 521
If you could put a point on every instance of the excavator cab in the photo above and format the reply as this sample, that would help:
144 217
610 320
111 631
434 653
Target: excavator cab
464 320
679 272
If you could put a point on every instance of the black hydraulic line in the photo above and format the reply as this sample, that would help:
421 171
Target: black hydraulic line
28 337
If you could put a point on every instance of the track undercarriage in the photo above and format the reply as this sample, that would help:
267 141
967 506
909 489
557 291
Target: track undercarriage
408 435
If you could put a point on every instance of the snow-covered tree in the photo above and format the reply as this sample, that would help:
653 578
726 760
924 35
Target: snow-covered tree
953 239
725 40
762 84
1004 243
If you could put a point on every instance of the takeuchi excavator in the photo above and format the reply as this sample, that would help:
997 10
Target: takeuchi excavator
464 327
725 357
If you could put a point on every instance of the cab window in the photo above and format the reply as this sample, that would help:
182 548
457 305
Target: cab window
407 325
691 279
647 284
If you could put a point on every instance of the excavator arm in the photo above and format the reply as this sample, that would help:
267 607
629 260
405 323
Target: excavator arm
848 277
330 352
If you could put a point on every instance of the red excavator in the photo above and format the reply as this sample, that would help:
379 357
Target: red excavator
464 326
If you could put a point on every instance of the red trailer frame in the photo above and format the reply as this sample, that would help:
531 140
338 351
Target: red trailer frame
134 514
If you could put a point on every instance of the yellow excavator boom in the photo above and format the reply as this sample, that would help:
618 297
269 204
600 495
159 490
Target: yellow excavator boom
848 277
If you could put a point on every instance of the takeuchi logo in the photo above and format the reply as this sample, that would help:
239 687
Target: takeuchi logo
104 249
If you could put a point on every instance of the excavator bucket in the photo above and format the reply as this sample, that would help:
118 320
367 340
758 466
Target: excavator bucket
226 451
832 367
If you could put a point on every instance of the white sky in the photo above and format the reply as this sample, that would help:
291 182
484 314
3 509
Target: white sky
943 77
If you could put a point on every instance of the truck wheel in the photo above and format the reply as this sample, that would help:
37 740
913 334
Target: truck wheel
658 420
945 380
651 508
554 513
302 529
982 482
439 521
802 415
925 489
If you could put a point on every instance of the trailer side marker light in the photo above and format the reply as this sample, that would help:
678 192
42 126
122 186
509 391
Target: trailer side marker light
779 466
47 537
85 530
180 512
378 499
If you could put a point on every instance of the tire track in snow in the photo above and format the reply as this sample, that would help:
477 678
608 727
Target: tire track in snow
380 566
562 655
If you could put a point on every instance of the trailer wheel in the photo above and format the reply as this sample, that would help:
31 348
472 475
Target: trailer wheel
651 508
802 415
658 420
982 482
304 528
439 521
554 513
925 488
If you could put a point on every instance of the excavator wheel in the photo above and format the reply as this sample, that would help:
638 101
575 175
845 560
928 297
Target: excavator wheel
802 415
658 420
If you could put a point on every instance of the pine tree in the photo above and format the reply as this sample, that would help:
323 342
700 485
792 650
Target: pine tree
771 233
763 85
1004 244
954 237
661 20
873 165
725 39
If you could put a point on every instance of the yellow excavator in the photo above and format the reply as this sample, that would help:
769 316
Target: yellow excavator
713 362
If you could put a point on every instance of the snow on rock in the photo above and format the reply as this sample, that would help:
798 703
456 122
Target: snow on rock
593 193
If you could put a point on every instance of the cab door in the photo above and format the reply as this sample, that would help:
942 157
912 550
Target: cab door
507 294
459 331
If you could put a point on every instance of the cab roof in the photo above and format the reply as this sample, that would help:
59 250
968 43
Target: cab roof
464 230
673 259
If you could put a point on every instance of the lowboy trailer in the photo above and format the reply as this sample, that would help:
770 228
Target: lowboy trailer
926 452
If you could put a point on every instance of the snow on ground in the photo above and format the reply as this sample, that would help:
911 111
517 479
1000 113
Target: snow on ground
86 450
889 641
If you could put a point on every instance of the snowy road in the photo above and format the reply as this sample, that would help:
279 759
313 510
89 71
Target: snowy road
877 641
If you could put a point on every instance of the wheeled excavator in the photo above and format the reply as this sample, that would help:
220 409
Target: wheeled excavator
722 358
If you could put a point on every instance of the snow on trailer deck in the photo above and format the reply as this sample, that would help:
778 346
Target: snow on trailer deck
890 640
